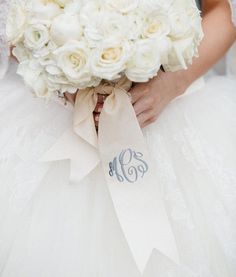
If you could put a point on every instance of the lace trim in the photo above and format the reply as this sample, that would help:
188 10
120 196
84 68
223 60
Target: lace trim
4 49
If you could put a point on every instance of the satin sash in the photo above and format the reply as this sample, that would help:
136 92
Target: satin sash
119 146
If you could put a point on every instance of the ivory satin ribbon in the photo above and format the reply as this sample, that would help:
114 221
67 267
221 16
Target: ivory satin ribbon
128 168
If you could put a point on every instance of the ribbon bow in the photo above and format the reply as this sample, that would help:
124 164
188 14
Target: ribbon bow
121 149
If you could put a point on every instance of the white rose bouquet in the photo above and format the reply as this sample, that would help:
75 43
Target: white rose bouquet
66 45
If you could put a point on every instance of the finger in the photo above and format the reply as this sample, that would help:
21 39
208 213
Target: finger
11 52
144 117
96 117
70 97
98 108
148 122
136 93
102 98
143 104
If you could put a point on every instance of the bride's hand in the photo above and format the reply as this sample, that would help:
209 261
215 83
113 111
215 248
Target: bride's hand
70 97
149 99
11 53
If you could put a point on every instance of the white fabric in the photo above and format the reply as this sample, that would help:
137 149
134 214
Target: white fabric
51 228
230 59
233 9
4 51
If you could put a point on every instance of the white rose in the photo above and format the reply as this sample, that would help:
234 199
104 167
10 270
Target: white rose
150 5
104 25
89 12
41 88
66 27
179 21
109 60
196 22
59 82
44 9
93 82
74 7
72 88
36 36
16 23
186 34
45 51
156 25
123 6
35 78
135 23
56 77
90 8
73 60
62 3
29 70
145 62
181 54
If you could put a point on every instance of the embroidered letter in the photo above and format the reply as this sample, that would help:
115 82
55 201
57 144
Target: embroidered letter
128 166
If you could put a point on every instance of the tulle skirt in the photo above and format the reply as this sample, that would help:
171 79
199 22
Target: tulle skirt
49 227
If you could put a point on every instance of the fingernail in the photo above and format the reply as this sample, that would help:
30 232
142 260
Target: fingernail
97 117
99 109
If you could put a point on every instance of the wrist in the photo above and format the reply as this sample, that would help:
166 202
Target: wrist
178 82
183 81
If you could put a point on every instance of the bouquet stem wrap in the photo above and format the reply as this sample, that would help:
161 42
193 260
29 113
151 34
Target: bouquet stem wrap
121 149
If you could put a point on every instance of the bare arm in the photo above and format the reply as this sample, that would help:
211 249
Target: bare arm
151 98
219 36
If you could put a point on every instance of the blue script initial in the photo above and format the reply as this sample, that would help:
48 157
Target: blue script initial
128 166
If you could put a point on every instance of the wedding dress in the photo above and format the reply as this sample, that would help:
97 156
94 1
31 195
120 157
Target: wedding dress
49 227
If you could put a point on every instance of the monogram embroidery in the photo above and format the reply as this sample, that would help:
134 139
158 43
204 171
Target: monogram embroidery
128 166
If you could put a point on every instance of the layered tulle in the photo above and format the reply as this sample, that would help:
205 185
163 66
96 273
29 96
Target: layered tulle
49 227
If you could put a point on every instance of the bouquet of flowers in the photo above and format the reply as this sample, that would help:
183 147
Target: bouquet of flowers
66 45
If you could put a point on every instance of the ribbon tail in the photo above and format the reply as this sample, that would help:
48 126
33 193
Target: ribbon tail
143 219
132 184
84 157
